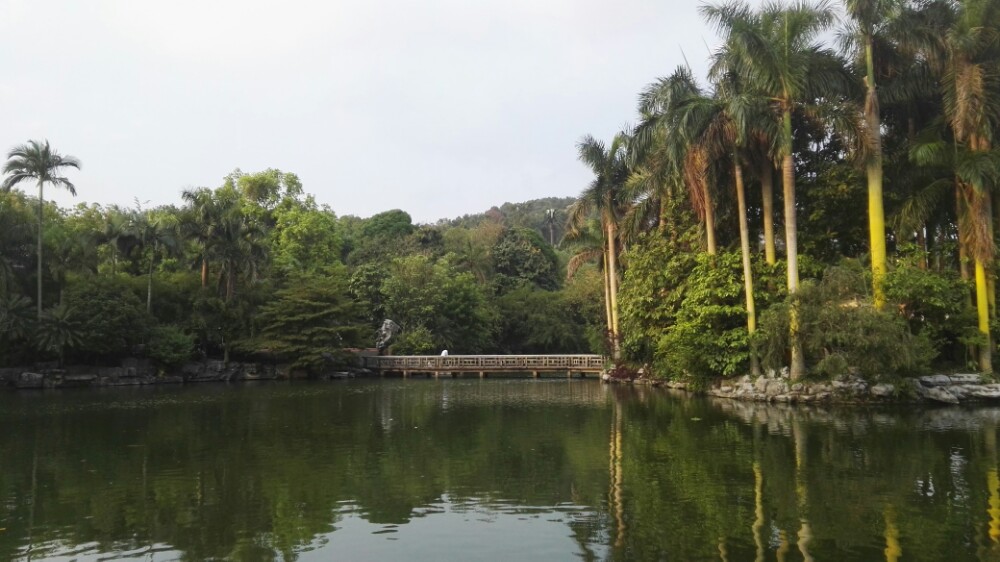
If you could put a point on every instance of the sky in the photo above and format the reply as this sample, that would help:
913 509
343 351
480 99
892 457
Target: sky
437 107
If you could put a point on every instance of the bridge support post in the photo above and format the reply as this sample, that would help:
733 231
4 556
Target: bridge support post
534 374
569 374
482 374
406 374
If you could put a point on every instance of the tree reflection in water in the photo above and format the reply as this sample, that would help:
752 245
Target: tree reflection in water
576 469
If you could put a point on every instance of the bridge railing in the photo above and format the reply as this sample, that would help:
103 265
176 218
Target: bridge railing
485 363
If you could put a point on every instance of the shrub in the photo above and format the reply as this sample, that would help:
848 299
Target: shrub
169 346
841 331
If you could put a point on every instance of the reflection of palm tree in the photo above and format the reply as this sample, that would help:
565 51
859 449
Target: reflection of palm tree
756 529
993 485
615 480
893 550
801 489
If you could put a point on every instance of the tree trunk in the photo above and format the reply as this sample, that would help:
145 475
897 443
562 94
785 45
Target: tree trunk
613 278
204 272
767 194
149 282
981 214
41 205
709 220
797 368
747 269
922 245
983 314
876 212
607 298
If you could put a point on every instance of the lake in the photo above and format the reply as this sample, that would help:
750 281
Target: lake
487 469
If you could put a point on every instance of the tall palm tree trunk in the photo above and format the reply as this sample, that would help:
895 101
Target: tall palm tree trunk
149 282
876 211
709 220
204 273
613 278
983 314
41 205
797 368
767 194
982 216
747 269
607 298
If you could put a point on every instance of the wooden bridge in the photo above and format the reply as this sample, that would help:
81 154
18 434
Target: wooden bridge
455 365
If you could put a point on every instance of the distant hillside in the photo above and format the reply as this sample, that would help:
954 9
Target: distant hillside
530 214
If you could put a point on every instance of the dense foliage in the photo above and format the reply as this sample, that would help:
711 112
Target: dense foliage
256 269
825 208
876 159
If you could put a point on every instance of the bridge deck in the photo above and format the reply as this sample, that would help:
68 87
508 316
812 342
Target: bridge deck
486 363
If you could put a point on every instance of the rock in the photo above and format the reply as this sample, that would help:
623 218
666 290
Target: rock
776 388
965 379
935 380
760 385
30 380
883 390
605 377
938 394
960 391
986 391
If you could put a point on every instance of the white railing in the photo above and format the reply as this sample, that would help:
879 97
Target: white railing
486 363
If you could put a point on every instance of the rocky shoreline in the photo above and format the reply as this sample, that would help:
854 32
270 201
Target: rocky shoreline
139 373
778 388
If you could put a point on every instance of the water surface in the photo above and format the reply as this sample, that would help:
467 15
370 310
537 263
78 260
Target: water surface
490 469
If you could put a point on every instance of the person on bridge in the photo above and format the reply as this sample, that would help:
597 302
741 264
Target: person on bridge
444 353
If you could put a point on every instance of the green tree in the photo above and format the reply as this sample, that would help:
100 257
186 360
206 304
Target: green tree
970 82
311 320
775 53
305 236
112 319
444 300
36 161
57 331
865 32
521 256
605 196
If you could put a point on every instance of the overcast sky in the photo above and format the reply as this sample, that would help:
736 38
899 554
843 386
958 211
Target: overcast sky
437 107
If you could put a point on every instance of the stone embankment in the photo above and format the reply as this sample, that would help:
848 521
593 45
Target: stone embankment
135 373
777 388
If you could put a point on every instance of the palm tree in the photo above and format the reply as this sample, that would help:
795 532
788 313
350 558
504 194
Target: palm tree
720 126
70 251
116 234
776 54
158 233
667 138
869 20
37 161
605 197
587 244
970 78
